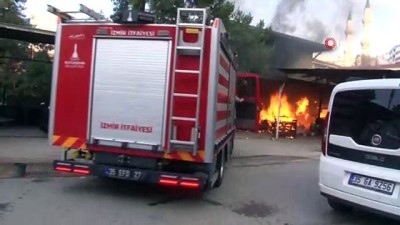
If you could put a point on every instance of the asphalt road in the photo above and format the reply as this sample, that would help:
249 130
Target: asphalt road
256 190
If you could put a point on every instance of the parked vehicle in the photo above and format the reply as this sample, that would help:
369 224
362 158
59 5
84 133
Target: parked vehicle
146 102
359 165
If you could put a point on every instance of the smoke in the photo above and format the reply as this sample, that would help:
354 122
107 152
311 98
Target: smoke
345 7
316 30
297 17
281 21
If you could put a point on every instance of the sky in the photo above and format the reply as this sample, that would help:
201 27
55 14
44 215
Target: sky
306 16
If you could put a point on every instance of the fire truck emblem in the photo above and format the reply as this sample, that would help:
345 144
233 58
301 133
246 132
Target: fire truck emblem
74 61
75 56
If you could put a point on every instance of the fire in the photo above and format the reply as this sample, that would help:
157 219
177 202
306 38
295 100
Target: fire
302 114
298 113
302 105
271 113
323 113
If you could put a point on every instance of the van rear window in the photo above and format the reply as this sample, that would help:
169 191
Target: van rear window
369 117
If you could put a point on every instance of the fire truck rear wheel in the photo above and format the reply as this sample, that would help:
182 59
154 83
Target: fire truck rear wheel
220 168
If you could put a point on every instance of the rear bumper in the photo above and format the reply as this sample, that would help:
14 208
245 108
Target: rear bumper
177 180
334 174
361 203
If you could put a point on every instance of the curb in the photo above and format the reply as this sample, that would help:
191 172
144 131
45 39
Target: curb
9 170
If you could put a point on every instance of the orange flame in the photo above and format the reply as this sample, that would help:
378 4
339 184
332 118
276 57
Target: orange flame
290 112
302 115
323 113
271 113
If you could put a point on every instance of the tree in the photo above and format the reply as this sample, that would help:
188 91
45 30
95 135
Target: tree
251 43
36 82
165 10
9 49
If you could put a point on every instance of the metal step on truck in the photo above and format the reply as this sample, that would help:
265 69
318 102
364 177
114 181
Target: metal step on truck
137 100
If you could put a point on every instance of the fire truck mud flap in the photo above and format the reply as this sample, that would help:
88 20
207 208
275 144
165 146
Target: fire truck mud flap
176 180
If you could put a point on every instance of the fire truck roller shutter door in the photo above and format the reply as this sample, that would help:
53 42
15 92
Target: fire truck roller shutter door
129 92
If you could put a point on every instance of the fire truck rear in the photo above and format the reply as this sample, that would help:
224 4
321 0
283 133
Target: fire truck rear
141 101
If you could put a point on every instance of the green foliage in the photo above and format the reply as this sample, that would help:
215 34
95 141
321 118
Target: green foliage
251 43
36 81
165 10
22 80
119 5
13 12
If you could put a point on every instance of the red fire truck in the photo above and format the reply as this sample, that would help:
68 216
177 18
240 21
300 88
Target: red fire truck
141 101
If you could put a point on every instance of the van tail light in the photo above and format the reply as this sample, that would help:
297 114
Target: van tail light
324 139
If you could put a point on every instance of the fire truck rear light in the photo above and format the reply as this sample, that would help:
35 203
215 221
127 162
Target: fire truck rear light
190 184
168 182
63 169
82 171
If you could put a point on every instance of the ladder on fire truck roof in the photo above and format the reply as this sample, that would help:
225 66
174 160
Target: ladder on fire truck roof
67 17
183 48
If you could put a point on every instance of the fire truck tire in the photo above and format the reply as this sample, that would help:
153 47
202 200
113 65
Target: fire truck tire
220 168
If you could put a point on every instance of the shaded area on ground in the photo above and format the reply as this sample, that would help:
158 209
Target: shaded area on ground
275 194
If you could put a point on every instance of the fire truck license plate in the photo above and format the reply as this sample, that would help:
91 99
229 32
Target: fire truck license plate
123 173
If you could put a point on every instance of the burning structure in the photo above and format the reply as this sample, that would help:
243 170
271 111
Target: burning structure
300 107
296 116
258 91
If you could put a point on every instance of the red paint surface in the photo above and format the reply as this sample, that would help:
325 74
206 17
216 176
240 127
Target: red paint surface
222 115
224 63
223 81
73 85
222 98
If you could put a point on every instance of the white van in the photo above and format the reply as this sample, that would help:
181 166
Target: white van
360 160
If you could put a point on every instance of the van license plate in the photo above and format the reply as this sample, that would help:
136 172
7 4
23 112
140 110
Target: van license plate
123 173
370 183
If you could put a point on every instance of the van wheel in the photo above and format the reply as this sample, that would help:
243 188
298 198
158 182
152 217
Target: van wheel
221 169
338 206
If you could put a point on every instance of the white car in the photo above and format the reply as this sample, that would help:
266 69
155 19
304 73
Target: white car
360 160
